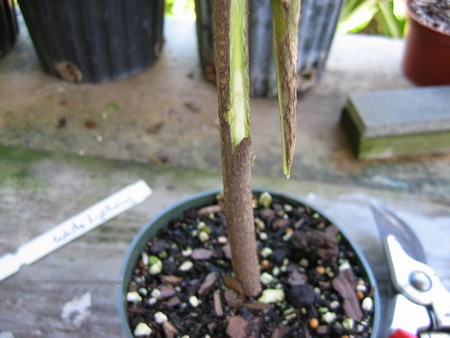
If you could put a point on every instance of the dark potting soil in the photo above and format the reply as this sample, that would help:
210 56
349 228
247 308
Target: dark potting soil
433 13
313 283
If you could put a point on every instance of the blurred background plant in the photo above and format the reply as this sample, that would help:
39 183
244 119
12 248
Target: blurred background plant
181 9
381 17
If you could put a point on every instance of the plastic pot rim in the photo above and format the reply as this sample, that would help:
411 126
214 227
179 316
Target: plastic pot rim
413 15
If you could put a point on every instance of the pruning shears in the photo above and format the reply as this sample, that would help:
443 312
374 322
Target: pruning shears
421 307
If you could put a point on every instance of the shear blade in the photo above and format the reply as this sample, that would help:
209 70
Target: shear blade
390 224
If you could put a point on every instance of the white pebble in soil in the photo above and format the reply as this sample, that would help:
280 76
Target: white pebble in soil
160 317
142 329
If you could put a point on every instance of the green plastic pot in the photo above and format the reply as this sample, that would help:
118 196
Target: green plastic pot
161 220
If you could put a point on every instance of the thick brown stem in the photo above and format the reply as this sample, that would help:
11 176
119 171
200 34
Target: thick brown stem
239 215
236 162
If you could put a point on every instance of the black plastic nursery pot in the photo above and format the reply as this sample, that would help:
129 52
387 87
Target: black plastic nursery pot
95 41
142 307
318 21
8 26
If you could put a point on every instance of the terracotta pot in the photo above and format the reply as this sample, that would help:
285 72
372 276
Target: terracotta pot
94 41
140 241
426 60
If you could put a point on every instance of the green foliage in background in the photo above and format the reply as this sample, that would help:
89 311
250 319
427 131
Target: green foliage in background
182 9
382 17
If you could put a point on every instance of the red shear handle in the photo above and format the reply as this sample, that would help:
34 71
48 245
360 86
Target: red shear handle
399 333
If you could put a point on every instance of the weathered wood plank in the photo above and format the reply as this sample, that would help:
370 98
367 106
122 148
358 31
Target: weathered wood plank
40 190
401 122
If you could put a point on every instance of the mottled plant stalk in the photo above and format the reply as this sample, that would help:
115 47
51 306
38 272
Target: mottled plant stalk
286 17
231 59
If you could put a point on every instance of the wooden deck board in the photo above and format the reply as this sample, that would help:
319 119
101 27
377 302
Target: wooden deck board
32 301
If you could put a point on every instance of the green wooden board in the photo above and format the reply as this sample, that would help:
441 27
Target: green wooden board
395 123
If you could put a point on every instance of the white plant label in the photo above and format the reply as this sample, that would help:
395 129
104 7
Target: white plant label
74 227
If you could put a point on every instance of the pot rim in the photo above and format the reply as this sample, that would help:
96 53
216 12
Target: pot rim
210 194
413 15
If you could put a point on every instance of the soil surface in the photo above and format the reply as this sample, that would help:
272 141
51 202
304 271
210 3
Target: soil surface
313 283
434 13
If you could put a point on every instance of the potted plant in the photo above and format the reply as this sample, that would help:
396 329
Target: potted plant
8 26
210 271
177 272
94 41
315 34
426 59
